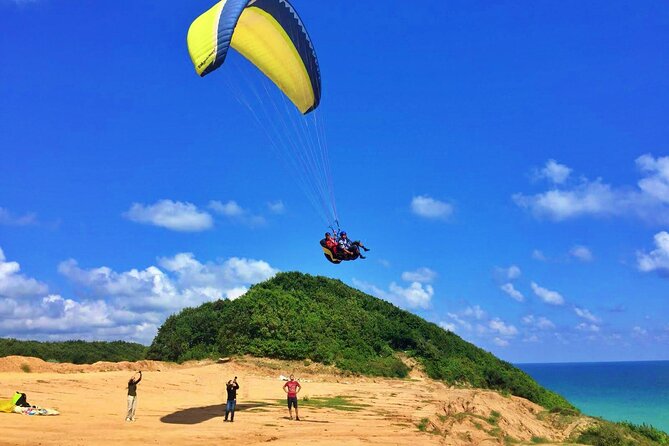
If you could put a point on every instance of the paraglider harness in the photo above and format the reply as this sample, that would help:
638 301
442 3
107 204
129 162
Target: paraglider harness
22 400
327 252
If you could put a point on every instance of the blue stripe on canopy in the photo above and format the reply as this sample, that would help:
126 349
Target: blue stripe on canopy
227 22
285 14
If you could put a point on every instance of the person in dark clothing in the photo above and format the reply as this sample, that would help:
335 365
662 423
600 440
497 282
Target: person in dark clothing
232 388
349 250
132 395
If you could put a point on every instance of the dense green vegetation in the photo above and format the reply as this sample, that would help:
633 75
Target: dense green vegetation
75 352
606 433
298 316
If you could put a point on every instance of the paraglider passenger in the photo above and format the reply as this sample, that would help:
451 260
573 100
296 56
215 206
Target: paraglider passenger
132 395
232 388
349 248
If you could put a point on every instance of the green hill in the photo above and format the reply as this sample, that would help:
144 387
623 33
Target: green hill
75 352
298 316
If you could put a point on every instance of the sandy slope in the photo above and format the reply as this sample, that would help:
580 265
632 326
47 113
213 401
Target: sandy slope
184 404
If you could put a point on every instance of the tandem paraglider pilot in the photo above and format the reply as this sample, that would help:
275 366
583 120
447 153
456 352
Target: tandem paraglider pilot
231 388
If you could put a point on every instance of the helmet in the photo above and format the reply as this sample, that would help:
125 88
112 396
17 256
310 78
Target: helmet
342 232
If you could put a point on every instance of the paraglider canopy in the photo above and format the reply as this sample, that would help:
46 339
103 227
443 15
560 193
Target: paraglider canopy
268 33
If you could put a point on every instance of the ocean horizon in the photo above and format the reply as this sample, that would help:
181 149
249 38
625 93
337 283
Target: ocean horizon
635 391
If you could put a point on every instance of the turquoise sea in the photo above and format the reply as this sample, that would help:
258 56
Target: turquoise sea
617 391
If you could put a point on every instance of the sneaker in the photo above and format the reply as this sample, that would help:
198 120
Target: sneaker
297 418
127 419
362 257
365 248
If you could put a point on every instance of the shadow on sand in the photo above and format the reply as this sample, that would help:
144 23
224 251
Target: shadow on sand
196 415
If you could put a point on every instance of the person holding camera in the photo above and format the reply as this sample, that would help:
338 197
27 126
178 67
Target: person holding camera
232 388
132 395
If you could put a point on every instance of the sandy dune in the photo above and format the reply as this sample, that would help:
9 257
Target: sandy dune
184 404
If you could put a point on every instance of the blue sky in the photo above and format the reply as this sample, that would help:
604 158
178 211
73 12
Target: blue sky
507 162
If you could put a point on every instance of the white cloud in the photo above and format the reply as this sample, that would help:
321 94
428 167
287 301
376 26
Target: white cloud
658 259
587 198
581 253
229 209
460 321
423 275
510 290
506 330
130 304
638 331
546 295
540 322
449 326
169 214
427 207
586 314
649 200
276 207
416 295
476 312
538 255
235 212
500 342
505 274
656 184
554 171
13 284
9 219
593 328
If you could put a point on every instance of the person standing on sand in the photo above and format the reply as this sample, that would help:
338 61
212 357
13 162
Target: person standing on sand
292 388
132 395
231 387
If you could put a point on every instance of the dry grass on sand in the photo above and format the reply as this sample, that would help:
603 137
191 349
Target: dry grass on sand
185 404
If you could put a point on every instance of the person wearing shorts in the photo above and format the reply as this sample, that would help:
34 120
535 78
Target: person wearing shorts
292 388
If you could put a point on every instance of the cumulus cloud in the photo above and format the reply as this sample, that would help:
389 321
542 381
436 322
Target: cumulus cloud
9 219
174 215
129 304
427 207
415 295
229 209
581 253
546 295
13 284
423 275
638 331
592 328
276 207
649 200
538 255
475 312
554 172
586 314
449 326
503 329
540 322
500 342
512 292
656 183
506 274
657 259
237 213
